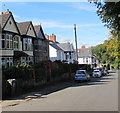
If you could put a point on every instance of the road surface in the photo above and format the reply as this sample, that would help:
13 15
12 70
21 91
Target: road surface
100 94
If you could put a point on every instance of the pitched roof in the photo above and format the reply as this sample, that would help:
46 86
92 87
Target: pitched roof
66 46
4 18
55 46
39 31
86 52
23 27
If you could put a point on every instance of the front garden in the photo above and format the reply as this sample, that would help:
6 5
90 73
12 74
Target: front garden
23 77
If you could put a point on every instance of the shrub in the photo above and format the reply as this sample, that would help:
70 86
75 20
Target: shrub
39 74
22 70
13 73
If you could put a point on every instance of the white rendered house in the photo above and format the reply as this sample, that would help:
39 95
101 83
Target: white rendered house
56 53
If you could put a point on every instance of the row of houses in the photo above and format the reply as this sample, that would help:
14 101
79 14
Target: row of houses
19 42
23 42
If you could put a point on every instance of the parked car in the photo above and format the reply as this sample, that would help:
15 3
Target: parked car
102 70
81 75
97 73
106 72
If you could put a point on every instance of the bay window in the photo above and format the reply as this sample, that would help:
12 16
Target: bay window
27 44
6 41
16 42
9 41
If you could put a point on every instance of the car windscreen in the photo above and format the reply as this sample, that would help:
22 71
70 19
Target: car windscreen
80 72
96 71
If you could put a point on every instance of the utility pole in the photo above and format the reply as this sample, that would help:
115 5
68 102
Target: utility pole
76 42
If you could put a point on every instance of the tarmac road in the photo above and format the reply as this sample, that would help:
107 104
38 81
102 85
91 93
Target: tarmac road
100 94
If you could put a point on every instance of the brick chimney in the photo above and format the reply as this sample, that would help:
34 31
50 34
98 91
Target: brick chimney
53 37
83 47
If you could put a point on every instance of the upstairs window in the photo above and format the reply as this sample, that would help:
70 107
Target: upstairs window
27 44
3 41
16 42
6 41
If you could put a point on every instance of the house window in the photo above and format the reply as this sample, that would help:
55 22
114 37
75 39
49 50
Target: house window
83 60
7 62
27 44
23 60
6 41
86 60
16 42
9 41
3 41
3 63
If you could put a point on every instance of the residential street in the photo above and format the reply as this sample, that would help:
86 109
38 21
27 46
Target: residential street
101 94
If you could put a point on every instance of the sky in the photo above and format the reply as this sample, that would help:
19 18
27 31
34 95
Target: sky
59 18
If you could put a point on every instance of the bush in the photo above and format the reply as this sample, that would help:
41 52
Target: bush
13 73
39 74
23 71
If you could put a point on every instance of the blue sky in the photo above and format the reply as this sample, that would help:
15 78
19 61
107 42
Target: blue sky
59 18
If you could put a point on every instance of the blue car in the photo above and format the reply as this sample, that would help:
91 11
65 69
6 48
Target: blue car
81 75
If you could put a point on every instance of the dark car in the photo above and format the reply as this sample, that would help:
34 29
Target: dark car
106 71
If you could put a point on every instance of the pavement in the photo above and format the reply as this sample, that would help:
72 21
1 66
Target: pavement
23 98
35 94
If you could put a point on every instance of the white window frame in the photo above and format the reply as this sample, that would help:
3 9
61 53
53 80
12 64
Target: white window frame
7 60
27 44
16 42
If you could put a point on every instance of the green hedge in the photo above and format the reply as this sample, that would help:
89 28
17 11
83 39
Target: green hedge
39 74
23 71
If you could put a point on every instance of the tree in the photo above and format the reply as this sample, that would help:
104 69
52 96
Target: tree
109 13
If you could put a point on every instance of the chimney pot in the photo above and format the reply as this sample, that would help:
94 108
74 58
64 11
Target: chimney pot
7 12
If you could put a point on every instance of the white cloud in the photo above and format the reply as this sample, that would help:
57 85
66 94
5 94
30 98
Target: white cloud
53 24
63 38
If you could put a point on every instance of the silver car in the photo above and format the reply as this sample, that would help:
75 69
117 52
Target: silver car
81 75
97 73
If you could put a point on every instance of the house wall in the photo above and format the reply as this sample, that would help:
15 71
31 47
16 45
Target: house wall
11 27
31 32
52 53
20 44
7 52
62 55
41 50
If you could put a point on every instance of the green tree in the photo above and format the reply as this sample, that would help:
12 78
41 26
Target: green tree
109 13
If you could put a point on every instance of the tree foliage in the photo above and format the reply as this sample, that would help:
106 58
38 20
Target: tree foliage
108 52
109 13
